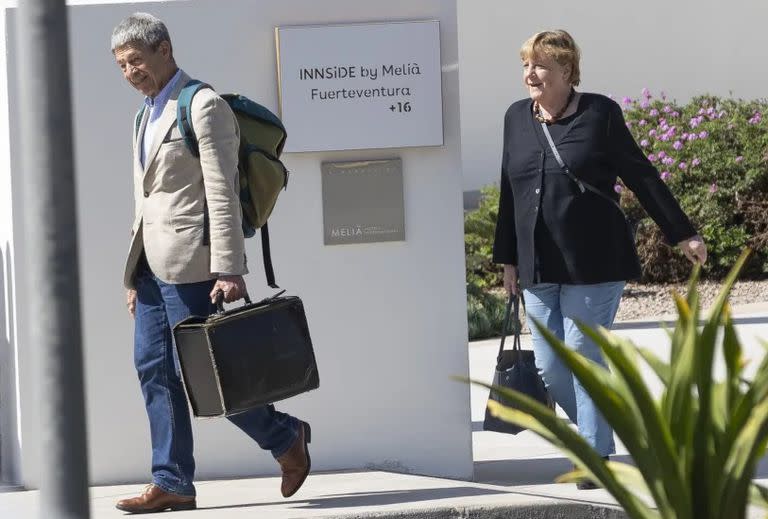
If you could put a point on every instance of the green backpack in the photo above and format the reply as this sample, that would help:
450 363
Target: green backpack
261 173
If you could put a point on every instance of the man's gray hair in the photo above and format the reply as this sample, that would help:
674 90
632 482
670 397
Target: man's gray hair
140 28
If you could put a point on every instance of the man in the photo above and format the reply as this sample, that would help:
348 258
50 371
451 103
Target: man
186 248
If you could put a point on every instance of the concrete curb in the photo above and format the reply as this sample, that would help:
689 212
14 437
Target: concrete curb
551 510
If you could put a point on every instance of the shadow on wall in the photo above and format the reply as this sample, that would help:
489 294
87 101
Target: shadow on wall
8 439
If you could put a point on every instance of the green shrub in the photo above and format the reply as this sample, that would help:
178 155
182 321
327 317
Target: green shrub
697 447
479 230
485 312
712 152
485 309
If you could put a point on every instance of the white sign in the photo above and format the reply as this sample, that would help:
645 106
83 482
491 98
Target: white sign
361 86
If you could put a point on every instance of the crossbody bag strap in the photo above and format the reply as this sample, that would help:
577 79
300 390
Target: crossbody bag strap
513 302
583 186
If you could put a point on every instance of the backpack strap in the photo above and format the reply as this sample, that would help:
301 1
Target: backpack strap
267 257
137 124
184 113
184 122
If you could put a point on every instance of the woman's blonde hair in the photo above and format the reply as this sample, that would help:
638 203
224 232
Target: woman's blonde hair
558 45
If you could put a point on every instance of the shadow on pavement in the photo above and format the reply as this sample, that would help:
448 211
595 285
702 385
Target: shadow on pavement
363 499
523 472
542 471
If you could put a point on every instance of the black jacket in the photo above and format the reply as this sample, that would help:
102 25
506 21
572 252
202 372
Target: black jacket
589 233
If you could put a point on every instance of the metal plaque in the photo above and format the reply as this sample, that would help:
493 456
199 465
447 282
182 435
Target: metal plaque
363 201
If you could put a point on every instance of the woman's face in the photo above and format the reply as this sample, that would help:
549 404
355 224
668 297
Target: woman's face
545 78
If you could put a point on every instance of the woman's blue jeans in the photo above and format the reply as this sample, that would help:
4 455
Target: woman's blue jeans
159 307
559 307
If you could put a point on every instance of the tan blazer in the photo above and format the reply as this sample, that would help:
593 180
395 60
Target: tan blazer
171 191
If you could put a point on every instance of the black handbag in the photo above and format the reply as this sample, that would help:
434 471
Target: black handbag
250 356
515 369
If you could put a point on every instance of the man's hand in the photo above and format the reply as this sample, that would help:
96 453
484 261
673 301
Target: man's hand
130 302
510 279
694 249
233 288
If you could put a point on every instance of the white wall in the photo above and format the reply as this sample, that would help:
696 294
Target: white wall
388 320
685 47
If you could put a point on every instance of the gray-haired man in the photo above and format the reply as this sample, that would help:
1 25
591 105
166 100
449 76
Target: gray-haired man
176 266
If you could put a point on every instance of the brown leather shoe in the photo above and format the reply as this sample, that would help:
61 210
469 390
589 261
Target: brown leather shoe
155 499
296 462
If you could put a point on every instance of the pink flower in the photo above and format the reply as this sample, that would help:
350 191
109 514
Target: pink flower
701 111
646 93
684 136
644 104
694 122
675 114
642 122
667 109
756 118
644 143
695 162
682 165
692 137
618 188
703 135
629 124
662 154
627 100
665 175
653 112
713 187
652 157
678 145
738 159
652 133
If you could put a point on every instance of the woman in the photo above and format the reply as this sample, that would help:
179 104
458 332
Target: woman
560 234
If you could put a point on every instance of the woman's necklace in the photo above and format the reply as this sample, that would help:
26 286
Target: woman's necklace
558 115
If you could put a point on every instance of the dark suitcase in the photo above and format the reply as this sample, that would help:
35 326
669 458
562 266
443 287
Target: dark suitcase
247 357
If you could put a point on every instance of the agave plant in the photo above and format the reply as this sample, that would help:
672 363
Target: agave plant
697 446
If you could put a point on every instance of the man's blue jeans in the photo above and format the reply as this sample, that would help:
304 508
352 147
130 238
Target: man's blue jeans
559 307
159 307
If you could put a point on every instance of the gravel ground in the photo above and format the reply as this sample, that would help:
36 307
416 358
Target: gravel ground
652 301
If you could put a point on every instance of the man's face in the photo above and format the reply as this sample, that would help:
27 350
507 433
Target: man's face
145 69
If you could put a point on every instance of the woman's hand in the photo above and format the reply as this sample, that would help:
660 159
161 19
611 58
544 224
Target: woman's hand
694 249
510 279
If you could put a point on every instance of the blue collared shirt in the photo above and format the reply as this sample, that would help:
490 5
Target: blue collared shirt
156 106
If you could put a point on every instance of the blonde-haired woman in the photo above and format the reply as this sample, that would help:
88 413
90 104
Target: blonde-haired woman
560 234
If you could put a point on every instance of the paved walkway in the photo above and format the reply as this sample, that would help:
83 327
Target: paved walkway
513 474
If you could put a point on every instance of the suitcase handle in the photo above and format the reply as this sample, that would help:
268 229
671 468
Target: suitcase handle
220 300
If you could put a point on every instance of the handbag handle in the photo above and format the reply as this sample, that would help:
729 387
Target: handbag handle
513 302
